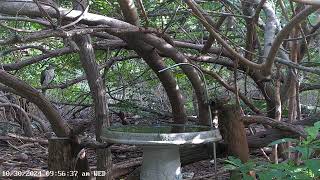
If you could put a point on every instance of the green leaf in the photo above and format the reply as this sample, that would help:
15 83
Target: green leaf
301 176
245 168
234 161
317 124
305 151
314 166
247 177
265 175
312 132
278 174
316 142
280 166
230 167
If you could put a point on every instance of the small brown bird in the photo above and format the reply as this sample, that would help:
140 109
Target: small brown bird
230 23
47 76
123 118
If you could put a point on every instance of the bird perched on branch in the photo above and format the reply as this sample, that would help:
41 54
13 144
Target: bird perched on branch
47 76
230 23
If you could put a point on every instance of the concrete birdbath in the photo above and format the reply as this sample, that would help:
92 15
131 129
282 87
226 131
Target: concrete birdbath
161 158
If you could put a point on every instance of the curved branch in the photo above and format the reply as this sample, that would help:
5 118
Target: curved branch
309 87
267 66
211 39
129 11
191 73
19 87
199 47
77 20
50 54
155 62
212 32
210 59
232 89
297 66
5 52
71 82
50 33
223 53
11 18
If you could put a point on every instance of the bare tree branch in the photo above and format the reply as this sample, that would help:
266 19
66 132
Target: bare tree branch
36 59
21 88
282 35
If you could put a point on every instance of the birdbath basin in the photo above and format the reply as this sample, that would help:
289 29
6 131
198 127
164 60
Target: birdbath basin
161 158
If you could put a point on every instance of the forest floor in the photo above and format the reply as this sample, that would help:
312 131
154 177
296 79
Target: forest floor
19 157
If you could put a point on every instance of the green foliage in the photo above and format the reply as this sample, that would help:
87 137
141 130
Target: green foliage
309 168
133 77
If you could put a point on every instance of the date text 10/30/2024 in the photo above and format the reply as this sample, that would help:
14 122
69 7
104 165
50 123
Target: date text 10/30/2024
51 173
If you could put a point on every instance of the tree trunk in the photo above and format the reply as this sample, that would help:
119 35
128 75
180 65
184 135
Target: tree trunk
292 107
98 93
233 131
66 157
278 113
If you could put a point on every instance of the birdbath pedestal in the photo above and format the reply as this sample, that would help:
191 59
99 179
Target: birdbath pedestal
161 157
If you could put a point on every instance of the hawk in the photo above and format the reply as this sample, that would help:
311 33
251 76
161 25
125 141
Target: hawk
47 76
